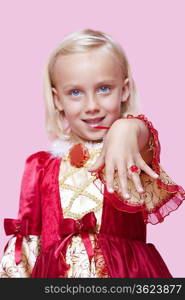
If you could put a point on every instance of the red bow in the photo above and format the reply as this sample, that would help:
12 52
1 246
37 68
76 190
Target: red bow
19 229
82 226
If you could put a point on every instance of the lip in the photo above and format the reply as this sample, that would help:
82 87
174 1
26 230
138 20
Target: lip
93 122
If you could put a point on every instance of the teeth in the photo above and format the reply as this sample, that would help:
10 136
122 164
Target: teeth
96 121
93 124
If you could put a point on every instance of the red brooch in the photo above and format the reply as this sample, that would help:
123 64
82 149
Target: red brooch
78 155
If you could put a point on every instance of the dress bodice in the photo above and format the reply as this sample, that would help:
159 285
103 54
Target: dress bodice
80 193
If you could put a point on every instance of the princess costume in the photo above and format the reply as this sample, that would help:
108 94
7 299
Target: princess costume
69 225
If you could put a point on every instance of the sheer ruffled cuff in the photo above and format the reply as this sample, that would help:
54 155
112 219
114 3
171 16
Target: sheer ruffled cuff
161 195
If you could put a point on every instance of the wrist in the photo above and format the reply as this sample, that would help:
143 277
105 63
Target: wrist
130 125
142 130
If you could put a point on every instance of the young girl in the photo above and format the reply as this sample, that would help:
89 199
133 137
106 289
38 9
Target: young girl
85 203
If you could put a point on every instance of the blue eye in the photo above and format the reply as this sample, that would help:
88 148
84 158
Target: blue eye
74 92
105 88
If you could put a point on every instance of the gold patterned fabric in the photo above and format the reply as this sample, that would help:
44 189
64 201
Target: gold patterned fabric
30 250
77 258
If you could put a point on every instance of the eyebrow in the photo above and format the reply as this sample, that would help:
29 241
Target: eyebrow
72 85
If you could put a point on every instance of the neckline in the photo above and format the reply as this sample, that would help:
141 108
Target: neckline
60 147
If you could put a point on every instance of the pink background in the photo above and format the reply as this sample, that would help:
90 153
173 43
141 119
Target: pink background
151 32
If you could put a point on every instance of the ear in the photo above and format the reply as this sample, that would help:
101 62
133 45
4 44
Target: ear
56 99
64 122
125 90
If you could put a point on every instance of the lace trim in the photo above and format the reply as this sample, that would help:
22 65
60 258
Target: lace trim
156 155
101 267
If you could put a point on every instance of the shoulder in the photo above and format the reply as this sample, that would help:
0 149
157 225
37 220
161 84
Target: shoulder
38 159
40 156
57 149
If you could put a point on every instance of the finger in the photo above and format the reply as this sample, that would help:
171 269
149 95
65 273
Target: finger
122 175
134 176
109 176
137 182
99 162
142 164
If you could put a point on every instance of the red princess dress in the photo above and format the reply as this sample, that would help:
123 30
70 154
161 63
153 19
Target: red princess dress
70 226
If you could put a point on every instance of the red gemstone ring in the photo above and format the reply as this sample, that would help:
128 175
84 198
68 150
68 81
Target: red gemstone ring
134 169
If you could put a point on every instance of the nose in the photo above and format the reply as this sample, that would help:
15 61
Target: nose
91 104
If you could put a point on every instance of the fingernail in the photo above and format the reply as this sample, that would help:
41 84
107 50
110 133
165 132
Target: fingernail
140 189
127 196
156 175
110 190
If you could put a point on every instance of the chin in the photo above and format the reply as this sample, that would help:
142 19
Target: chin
94 138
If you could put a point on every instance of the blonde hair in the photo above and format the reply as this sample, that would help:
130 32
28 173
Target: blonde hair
79 42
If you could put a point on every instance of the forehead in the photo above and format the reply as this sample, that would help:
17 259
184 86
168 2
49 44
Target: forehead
96 64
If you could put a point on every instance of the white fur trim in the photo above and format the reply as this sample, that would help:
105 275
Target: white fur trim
60 147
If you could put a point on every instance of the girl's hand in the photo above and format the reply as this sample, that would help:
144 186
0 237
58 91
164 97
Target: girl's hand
120 151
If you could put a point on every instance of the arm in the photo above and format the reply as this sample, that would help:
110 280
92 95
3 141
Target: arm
143 134
21 250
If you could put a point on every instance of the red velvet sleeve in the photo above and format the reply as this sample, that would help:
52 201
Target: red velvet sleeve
29 216
162 195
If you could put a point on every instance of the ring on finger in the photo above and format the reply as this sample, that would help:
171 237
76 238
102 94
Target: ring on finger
133 169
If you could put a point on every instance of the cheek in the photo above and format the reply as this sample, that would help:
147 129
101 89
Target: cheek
71 110
113 105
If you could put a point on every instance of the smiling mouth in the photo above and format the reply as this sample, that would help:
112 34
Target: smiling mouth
94 122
